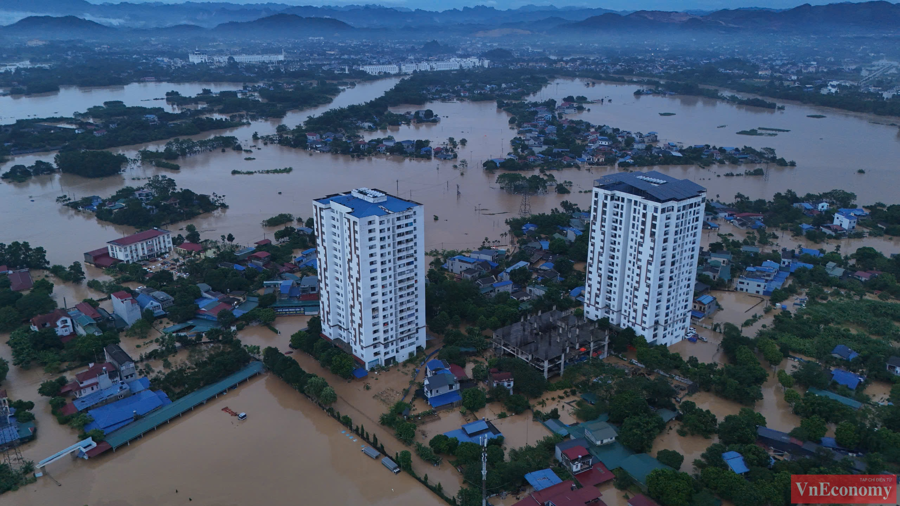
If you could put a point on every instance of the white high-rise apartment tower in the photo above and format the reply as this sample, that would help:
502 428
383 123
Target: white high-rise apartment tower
642 261
371 261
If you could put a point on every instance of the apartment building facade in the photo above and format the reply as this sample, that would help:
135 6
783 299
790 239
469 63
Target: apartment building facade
144 245
371 267
642 260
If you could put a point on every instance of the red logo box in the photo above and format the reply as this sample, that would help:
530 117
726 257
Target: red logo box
843 489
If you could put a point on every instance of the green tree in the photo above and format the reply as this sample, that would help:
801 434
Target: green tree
786 380
638 432
670 458
192 234
791 396
342 365
328 396
696 421
405 460
225 318
474 399
520 276
670 487
479 372
814 427
516 404
627 404
10 319
811 375
741 428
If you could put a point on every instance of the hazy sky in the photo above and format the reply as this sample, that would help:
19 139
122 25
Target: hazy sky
629 5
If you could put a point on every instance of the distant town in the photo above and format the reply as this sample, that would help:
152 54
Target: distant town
524 257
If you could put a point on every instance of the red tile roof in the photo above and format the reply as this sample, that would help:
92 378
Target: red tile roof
217 308
20 281
501 376
49 320
68 409
122 295
263 242
69 387
575 452
139 237
458 371
596 475
190 246
562 494
94 371
88 310
641 500
3 269
261 254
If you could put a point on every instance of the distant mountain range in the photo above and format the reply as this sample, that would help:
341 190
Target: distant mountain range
61 19
880 15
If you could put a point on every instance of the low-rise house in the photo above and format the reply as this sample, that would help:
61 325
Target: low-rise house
600 433
442 390
735 462
562 494
846 221
116 355
126 307
96 377
843 352
846 378
576 459
58 320
504 276
500 379
751 285
459 263
189 249
703 306
893 366
20 281
146 302
490 255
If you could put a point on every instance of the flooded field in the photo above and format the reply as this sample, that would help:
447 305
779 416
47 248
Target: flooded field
480 210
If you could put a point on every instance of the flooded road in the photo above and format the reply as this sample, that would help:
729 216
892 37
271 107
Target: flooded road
284 453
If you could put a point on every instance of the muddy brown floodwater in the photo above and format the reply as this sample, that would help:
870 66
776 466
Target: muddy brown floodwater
284 453
290 452
481 207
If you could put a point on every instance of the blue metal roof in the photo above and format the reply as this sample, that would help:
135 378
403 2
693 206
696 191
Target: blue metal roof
542 479
844 352
364 209
736 462
705 299
435 364
444 399
501 284
846 378
812 252
475 427
120 413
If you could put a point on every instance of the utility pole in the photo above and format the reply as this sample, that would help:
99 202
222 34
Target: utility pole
484 470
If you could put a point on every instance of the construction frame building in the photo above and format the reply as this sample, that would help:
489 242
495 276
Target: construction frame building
550 340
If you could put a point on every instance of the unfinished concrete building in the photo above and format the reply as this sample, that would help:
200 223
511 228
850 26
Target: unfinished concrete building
549 341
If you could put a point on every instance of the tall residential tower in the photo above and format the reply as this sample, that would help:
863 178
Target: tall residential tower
642 261
371 261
